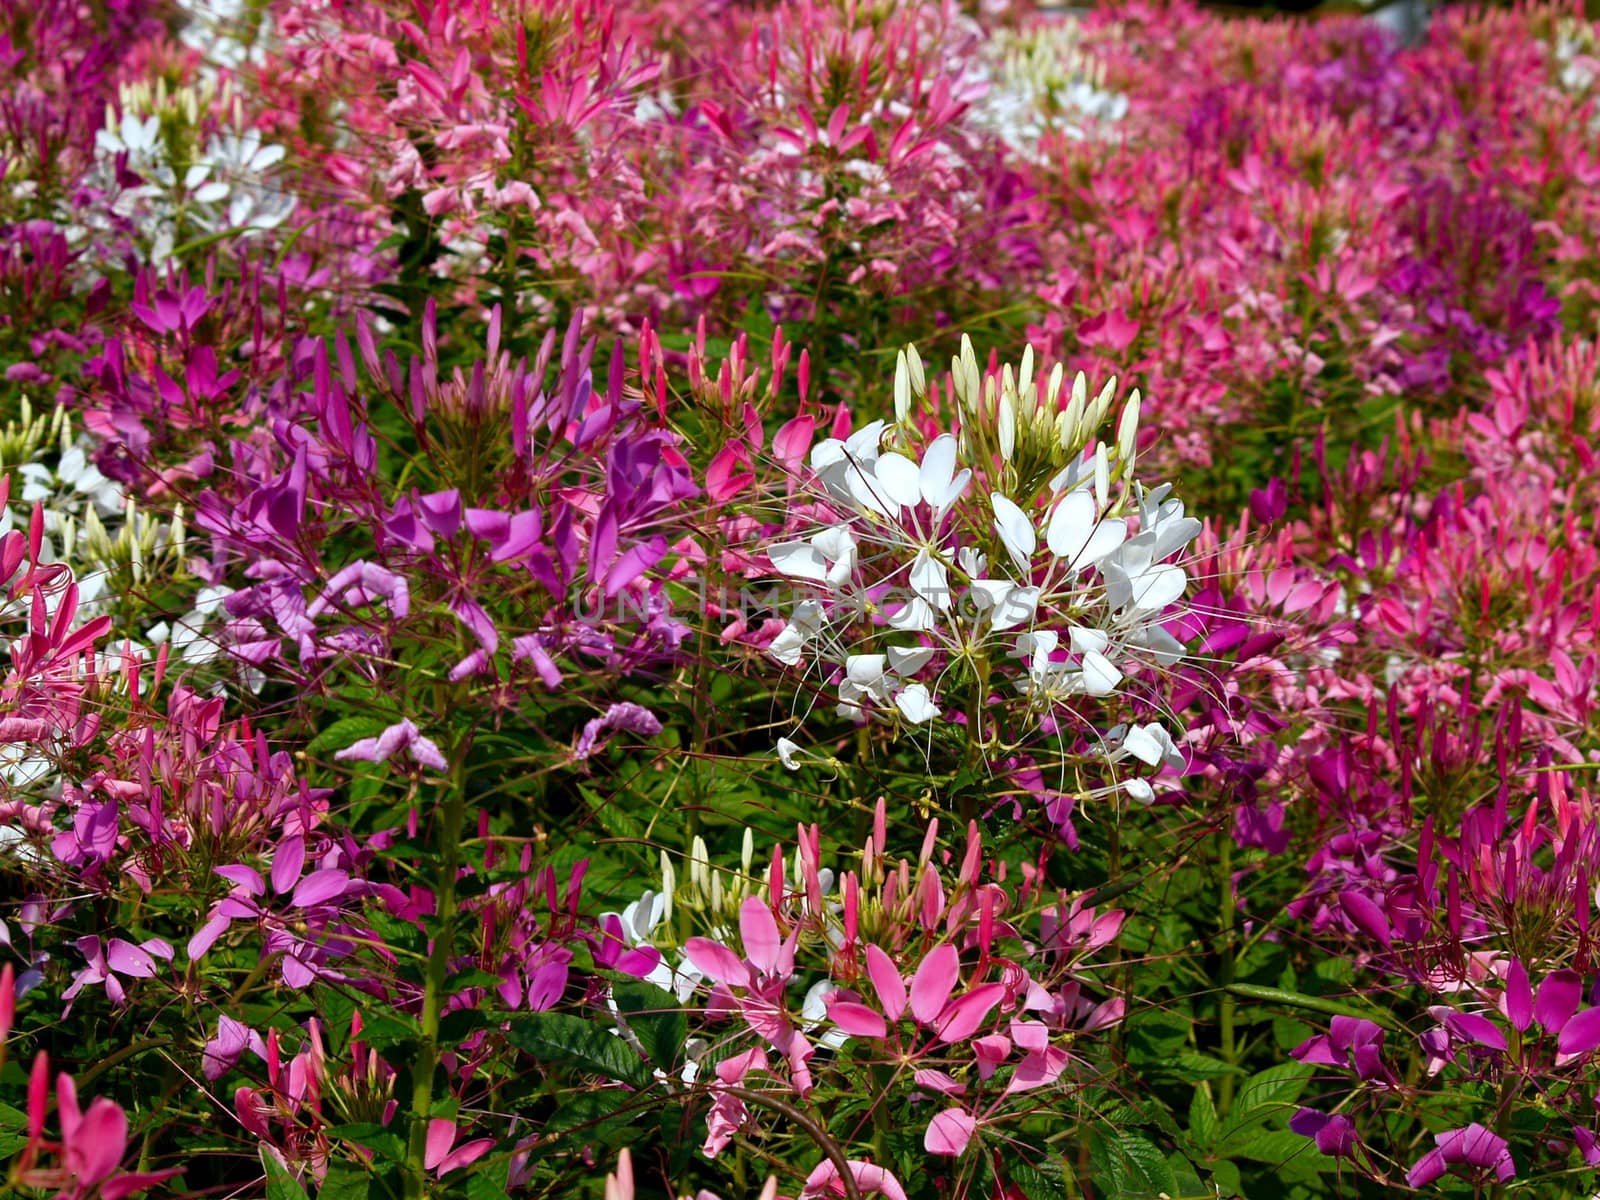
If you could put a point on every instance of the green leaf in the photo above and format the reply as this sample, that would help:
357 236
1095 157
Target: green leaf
1129 1167
1156 1037
1335 1008
457 1026
1226 1176
560 1038
491 1183
383 1142
280 1184
1202 1118
345 732
657 1020
1193 1066
1265 1095
1276 1146
344 1181
1038 1184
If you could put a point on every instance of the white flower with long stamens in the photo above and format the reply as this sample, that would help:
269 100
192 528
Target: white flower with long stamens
1043 595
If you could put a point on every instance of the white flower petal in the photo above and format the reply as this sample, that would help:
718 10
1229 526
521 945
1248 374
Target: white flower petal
799 560
899 480
905 661
916 705
1015 530
865 670
931 580
1088 641
1071 525
915 616
1100 678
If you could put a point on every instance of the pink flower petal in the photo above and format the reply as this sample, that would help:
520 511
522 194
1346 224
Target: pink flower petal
857 1020
887 982
762 942
934 981
950 1132
717 962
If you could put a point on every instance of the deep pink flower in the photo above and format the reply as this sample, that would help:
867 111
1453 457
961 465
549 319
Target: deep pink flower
1473 1146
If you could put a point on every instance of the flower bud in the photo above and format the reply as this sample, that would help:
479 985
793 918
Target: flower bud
1128 431
919 381
902 389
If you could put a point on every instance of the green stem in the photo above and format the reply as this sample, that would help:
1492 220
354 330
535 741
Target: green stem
1230 1049
452 818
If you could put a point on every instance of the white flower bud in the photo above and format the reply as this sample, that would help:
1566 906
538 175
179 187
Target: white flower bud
919 381
1128 431
902 389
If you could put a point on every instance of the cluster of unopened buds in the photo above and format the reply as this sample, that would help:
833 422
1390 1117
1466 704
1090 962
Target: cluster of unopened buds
1015 561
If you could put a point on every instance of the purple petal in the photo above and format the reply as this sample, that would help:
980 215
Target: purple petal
287 862
1558 998
207 936
1519 996
319 887
1367 916
1475 1028
243 877
128 959
1581 1034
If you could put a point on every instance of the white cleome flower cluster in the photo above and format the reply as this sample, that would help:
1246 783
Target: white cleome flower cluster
1013 568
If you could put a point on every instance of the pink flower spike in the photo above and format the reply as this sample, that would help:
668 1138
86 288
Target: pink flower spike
620 1185
950 1132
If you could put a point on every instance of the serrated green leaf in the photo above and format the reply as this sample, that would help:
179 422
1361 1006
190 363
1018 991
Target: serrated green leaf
345 732
584 1111
1191 1065
563 1039
1130 1167
472 978
1036 1184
